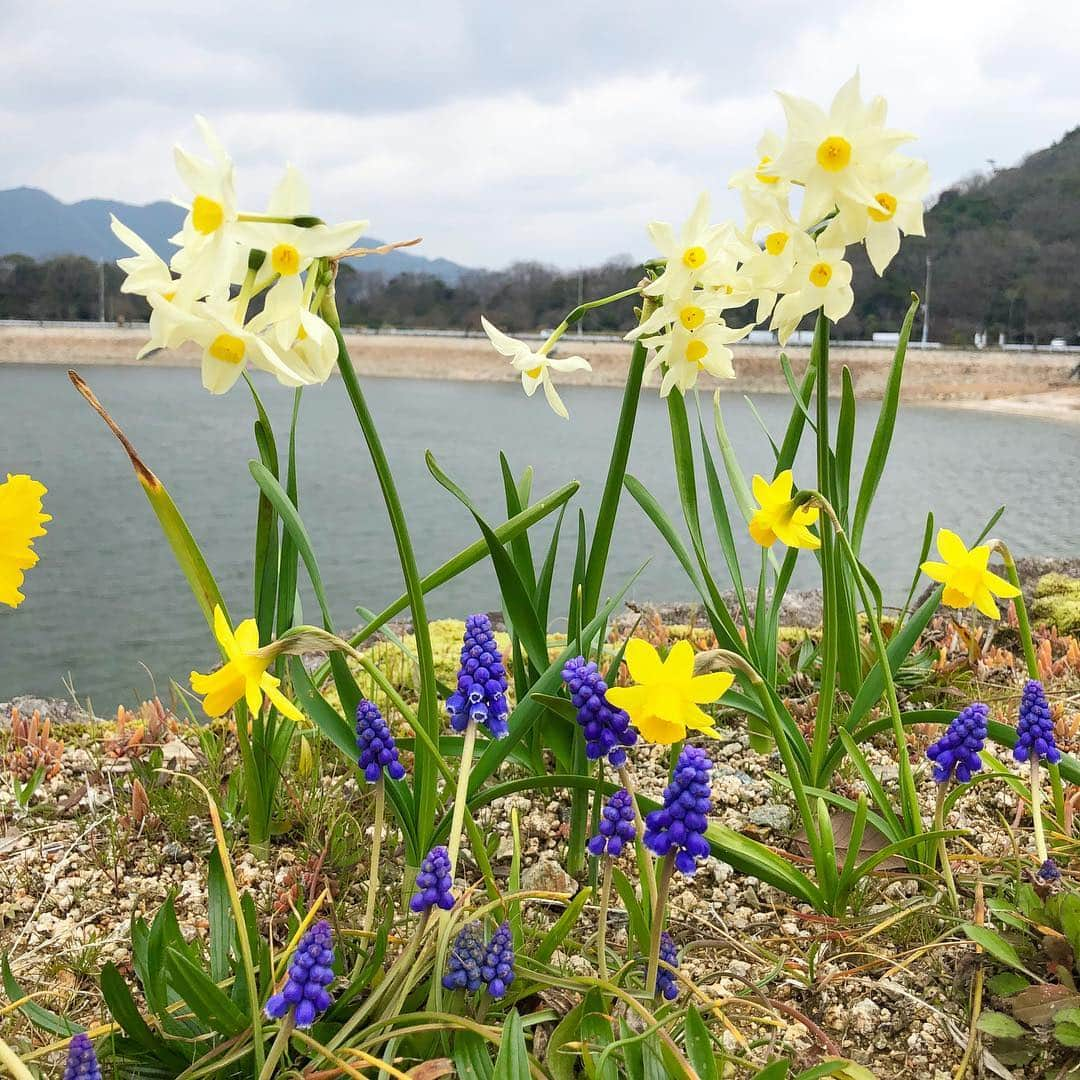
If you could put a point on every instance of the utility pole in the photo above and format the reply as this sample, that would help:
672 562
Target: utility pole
580 297
926 305
101 291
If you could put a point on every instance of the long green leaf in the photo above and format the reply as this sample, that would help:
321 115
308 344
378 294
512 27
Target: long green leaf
513 1060
203 996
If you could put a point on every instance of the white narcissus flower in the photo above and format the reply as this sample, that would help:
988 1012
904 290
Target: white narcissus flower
290 250
783 244
208 252
687 353
535 367
146 271
692 310
837 155
764 193
699 254
898 209
227 345
821 280
312 356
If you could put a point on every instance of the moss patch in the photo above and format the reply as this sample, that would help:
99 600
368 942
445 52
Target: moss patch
1057 602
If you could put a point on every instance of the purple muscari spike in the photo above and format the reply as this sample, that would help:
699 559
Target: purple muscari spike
679 827
956 753
498 967
434 886
311 971
617 827
378 751
481 687
666 983
465 960
82 1062
1035 729
607 730
1048 873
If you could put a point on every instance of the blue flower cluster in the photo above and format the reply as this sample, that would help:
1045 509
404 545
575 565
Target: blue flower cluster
680 825
465 960
666 983
607 729
1049 873
82 1062
498 967
481 685
617 826
956 753
310 973
378 751
1035 729
434 886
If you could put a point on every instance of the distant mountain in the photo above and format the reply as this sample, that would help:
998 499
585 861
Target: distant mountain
34 223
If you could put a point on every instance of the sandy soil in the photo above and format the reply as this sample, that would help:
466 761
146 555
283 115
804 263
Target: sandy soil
1032 384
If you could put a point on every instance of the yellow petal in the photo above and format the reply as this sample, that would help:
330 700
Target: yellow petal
655 730
761 532
643 661
708 688
253 695
666 702
952 548
679 665
247 635
761 489
280 702
999 586
223 632
699 720
780 488
984 601
935 571
631 699
956 598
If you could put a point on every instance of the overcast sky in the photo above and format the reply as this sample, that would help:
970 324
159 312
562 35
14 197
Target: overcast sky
502 131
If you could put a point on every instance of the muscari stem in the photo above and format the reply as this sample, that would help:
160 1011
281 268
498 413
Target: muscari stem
667 869
1036 809
1023 624
605 900
461 796
646 868
943 850
376 850
281 1042
11 1061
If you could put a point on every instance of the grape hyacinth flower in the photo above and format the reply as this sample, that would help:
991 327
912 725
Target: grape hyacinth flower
310 973
481 685
679 827
607 729
1049 873
82 1062
666 983
1035 729
378 751
465 960
434 885
498 967
617 828
956 753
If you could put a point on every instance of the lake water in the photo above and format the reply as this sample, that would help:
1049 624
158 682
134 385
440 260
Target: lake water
106 607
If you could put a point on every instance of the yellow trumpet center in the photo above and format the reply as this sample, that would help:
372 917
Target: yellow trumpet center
227 347
834 154
285 260
886 206
170 296
696 351
820 274
761 176
694 257
301 334
775 242
691 316
536 372
206 215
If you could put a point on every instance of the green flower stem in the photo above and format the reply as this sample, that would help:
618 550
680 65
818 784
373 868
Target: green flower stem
605 900
1023 624
1036 809
280 1044
943 850
579 313
646 869
10 1060
461 796
427 708
376 850
909 794
667 870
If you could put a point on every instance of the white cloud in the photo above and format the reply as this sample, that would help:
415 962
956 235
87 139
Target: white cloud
501 134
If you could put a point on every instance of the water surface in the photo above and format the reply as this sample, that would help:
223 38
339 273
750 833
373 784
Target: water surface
108 609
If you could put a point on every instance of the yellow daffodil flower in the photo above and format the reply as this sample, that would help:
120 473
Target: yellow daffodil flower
535 366
965 576
665 702
779 518
21 521
243 675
